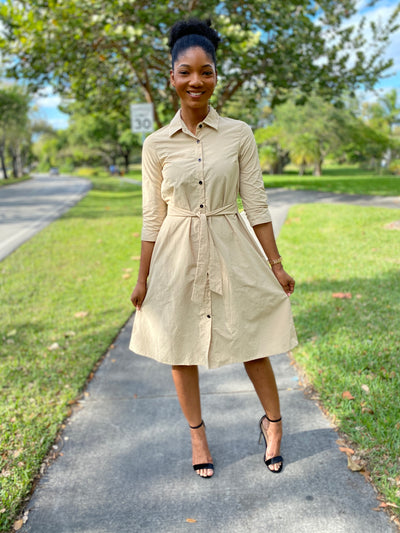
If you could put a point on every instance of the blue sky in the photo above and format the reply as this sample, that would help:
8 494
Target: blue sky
47 104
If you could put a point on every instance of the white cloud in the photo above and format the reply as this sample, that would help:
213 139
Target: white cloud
47 99
45 107
380 15
59 123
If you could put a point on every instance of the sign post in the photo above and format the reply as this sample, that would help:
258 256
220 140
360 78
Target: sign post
142 118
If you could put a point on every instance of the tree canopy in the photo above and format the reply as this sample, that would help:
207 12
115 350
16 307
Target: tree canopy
108 54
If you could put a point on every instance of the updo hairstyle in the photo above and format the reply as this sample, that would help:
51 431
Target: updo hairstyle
186 34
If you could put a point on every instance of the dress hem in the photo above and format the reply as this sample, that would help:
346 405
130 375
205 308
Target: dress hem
246 360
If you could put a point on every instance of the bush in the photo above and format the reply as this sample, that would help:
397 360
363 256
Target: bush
86 172
394 166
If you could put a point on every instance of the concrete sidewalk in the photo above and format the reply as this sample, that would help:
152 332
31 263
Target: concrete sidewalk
126 462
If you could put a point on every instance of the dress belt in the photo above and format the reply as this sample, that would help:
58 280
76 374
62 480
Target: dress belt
207 257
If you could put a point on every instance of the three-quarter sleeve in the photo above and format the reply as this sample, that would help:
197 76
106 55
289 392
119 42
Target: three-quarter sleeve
154 207
251 185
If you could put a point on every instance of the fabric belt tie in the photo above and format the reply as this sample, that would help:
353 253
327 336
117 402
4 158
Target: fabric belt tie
207 257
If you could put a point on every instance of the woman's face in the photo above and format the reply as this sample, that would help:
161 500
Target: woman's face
194 77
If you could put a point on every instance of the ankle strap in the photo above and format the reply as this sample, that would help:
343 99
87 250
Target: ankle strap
269 420
197 427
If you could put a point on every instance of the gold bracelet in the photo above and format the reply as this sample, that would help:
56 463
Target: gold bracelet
275 261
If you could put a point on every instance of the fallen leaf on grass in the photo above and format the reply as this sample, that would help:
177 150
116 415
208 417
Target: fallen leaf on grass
389 504
54 346
367 410
393 225
126 276
365 388
12 333
346 450
353 465
191 520
383 505
342 295
81 314
18 524
136 234
135 257
346 395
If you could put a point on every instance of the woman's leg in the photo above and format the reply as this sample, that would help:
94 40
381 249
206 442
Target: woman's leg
186 379
262 376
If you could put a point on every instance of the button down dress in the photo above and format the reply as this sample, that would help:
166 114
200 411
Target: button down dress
212 298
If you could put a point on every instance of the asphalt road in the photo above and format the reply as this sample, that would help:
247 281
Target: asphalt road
26 208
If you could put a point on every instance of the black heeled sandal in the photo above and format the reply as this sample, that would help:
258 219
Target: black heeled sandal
272 460
201 466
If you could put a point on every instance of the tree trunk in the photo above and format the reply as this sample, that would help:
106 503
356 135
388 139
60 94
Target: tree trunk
3 163
318 168
14 164
125 155
16 161
302 168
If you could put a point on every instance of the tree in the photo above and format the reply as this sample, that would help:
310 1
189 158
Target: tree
14 126
313 130
304 150
108 54
107 135
270 150
383 115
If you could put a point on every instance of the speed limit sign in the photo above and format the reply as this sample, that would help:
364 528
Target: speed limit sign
142 118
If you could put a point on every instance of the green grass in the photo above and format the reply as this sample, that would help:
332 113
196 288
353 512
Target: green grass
347 180
11 181
351 344
87 262
135 172
84 262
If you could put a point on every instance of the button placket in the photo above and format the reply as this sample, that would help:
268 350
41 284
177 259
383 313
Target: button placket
200 173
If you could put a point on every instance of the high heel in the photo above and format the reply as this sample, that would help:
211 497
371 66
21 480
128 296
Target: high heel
202 466
277 458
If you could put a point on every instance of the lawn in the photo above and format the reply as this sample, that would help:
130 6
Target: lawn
346 263
11 181
347 180
64 296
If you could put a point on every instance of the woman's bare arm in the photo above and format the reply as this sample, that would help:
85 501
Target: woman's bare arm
265 235
139 292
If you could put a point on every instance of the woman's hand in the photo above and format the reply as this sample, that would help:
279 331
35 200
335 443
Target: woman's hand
284 279
139 294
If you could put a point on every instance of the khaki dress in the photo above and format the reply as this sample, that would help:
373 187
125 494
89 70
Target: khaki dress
212 298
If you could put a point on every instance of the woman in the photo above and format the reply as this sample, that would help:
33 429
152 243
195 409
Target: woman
205 292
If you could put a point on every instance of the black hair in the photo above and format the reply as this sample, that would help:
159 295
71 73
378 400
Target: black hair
185 34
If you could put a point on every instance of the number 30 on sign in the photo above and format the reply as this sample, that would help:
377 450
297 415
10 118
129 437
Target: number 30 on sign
142 118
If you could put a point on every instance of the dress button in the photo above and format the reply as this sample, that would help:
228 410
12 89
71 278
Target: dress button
200 182
199 159
200 125
201 205
198 142
208 316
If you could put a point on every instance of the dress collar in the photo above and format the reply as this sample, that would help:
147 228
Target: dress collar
177 123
